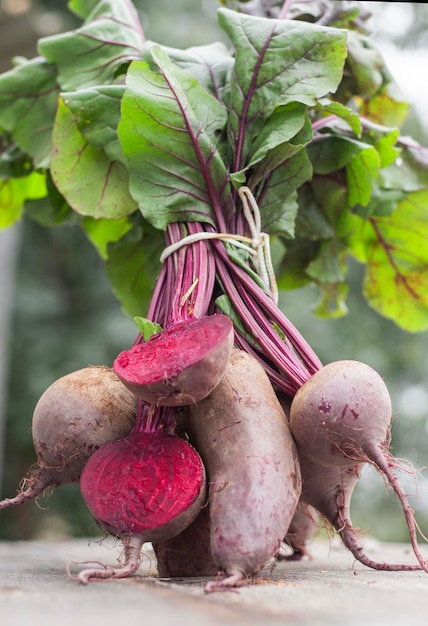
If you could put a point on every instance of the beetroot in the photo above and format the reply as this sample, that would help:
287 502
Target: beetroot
180 365
243 436
147 483
346 408
76 415
147 487
188 553
341 418
329 490
303 526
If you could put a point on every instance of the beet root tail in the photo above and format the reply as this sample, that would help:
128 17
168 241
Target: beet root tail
132 560
385 463
351 542
234 579
36 486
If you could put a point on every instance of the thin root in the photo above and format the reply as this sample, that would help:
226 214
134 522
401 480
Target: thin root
94 574
31 488
238 579
131 562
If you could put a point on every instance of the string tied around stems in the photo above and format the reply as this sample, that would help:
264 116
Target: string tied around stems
258 245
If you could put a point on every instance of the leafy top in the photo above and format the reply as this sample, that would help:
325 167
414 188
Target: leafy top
129 137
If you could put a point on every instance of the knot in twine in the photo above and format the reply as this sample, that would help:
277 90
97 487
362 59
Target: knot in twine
258 245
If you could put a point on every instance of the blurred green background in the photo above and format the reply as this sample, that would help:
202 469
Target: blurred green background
62 314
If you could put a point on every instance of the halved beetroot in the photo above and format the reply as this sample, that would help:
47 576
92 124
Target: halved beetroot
181 365
148 484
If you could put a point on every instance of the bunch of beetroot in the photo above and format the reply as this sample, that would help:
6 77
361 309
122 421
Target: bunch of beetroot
215 441
219 435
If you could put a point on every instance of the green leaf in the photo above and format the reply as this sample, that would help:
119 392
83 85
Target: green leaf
396 281
96 111
14 163
382 202
92 54
44 213
278 212
311 221
291 274
361 173
333 152
132 266
383 138
277 198
13 194
362 162
169 132
330 193
28 101
147 328
409 172
280 154
104 231
238 179
340 111
332 300
91 183
363 159
82 8
366 64
386 146
277 62
208 64
329 265
281 127
385 110
52 209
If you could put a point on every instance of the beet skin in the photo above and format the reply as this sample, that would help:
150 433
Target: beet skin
243 436
77 414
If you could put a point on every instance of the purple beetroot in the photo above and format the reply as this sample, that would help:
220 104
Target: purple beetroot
340 418
244 439
76 415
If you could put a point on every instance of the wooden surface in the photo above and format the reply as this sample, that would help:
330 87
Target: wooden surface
329 590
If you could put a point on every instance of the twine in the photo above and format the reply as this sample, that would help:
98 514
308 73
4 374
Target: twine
258 245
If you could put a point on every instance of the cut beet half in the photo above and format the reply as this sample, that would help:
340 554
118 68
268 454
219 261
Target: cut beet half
148 484
181 365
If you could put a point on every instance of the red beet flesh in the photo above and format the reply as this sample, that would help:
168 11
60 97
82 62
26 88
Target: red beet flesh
180 365
149 484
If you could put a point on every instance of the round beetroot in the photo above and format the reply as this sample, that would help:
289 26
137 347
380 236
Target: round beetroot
181 365
342 414
77 414
148 484
341 418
